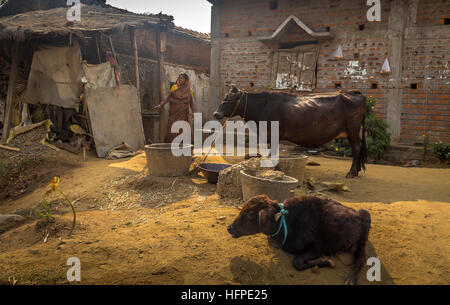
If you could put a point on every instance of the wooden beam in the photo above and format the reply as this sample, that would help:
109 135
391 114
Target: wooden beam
136 60
11 97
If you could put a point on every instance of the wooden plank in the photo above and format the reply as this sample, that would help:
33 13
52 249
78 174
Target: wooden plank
11 97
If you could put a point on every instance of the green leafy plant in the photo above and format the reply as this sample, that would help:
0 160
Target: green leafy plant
46 213
370 105
378 139
342 147
442 151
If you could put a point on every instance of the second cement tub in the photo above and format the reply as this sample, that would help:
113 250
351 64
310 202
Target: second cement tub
294 166
162 163
276 189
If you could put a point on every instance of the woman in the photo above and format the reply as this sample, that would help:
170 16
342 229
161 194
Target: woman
181 98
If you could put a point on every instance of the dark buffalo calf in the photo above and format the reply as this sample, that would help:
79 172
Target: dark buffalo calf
316 227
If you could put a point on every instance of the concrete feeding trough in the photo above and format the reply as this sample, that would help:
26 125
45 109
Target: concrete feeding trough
161 161
276 189
294 166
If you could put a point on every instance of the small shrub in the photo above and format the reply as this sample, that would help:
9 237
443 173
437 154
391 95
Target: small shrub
378 139
370 105
46 212
442 151
342 147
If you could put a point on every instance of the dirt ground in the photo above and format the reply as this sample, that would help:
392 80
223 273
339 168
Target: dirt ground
133 229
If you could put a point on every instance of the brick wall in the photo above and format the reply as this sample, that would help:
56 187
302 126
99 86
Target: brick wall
188 51
427 108
240 16
426 54
433 12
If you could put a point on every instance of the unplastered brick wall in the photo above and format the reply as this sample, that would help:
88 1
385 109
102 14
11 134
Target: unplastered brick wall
188 51
433 12
425 113
245 62
244 59
359 69
426 75
238 17
426 81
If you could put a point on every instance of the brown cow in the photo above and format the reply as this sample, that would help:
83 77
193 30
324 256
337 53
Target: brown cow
309 121
315 227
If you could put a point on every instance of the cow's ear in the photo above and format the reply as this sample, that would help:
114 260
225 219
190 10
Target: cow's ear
265 219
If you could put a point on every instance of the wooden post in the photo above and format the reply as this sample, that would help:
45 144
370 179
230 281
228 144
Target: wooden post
98 49
136 60
111 45
10 99
112 49
160 52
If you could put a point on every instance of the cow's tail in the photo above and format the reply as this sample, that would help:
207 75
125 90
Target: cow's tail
362 159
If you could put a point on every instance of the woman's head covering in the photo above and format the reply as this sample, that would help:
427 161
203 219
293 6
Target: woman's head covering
183 92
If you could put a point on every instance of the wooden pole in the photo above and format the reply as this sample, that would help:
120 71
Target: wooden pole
160 54
98 49
111 45
112 48
136 59
11 97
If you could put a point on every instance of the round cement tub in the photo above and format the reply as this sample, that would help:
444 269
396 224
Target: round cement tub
275 189
294 166
162 163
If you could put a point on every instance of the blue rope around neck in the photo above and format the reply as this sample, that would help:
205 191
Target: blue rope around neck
283 224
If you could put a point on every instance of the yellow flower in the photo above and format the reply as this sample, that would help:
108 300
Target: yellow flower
53 186
373 107
337 149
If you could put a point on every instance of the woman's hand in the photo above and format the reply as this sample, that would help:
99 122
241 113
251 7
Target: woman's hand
157 107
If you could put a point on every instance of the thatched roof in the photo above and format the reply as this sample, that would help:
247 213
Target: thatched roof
14 7
93 18
202 36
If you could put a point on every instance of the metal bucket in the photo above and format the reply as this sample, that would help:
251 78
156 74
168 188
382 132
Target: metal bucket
162 163
211 170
